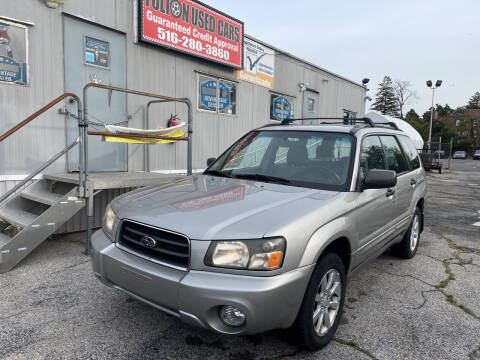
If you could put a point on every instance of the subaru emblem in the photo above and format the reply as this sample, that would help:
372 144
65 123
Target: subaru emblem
149 242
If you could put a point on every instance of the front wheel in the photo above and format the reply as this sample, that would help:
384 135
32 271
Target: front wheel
322 305
407 248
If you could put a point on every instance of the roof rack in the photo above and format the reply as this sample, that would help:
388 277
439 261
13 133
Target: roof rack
343 121
365 121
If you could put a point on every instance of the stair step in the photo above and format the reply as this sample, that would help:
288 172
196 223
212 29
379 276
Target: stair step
4 239
17 216
41 196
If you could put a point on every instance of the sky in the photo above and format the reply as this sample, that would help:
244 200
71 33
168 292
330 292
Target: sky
414 40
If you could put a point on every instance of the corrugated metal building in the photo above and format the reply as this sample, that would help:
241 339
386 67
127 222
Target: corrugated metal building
57 50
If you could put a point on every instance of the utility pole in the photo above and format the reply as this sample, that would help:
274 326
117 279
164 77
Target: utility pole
437 85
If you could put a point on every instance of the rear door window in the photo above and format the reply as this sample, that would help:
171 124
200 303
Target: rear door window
410 152
394 155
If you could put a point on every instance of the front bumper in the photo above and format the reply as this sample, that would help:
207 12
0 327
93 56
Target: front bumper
196 296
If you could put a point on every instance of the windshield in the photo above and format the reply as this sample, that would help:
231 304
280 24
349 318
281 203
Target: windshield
320 160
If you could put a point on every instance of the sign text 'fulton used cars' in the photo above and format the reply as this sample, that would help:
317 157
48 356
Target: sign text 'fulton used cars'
194 28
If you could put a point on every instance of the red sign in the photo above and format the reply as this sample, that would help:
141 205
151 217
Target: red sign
194 28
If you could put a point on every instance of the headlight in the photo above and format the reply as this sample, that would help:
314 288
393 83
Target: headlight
109 222
261 254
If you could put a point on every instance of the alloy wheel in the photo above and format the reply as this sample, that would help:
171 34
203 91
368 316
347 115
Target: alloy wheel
327 302
415 233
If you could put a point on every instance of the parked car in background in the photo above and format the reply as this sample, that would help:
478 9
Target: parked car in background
267 236
460 155
476 155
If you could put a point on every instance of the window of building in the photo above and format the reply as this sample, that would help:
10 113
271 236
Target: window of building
310 105
458 123
227 101
13 53
217 95
281 107
348 115
393 154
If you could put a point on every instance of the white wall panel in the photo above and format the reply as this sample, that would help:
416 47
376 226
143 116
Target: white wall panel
153 69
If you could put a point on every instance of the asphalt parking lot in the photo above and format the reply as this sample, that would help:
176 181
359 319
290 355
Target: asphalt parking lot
52 307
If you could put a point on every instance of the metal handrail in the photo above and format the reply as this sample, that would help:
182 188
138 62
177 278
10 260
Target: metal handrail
38 171
44 109
186 101
83 125
41 111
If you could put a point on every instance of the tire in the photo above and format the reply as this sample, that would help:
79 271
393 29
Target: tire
407 248
329 267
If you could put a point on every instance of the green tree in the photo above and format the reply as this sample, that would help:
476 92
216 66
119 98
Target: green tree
444 111
385 99
412 116
474 102
421 126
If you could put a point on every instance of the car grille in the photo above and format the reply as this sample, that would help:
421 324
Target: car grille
167 248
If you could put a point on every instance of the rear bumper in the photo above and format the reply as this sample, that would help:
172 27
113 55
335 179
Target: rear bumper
196 296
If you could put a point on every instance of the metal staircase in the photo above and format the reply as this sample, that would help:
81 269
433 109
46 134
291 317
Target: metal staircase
32 215
35 209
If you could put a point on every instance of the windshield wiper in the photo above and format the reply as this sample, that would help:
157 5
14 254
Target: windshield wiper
260 177
217 173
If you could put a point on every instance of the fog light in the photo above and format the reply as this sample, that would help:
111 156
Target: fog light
232 316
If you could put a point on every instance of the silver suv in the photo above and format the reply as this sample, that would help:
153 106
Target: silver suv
267 236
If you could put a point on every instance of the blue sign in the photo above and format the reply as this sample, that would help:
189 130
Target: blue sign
93 44
224 100
90 57
282 113
10 70
97 52
208 94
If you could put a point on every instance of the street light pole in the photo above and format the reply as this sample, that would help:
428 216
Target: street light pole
430 85
431 120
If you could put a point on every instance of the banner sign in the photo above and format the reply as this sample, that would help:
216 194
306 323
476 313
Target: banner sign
9 70
97 52
208 94
259 64
282 108
13 53
193 28
224 96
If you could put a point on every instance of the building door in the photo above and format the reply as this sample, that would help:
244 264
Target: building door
310 106
96 54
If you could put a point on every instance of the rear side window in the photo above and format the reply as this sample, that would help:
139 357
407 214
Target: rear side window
372 156
394 155
410 151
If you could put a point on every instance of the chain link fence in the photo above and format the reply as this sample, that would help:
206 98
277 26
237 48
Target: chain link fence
437 156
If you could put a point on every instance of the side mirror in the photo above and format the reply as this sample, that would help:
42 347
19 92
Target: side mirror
380 179
210 161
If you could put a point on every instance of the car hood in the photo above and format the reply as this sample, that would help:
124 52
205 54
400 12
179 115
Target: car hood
208 207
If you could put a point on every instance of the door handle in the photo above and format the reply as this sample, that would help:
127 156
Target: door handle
413 182
390 192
